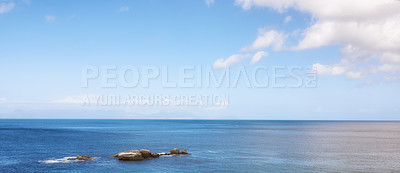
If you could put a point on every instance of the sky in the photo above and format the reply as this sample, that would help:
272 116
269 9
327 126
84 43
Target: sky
286 60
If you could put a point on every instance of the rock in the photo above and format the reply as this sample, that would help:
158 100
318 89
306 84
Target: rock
135 155
81 157
132 156
116 155
174 151
145 153
155 155
183 152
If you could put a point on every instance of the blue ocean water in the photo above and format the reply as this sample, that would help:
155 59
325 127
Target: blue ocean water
215 145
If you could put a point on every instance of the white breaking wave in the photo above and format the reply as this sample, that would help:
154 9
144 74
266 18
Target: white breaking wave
62 160
161 154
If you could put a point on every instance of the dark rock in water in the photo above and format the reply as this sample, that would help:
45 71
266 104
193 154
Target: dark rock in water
81 157
183 152
174 151
133 155
145 153
155 155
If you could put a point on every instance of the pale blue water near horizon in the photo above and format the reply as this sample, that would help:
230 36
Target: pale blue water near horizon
215 145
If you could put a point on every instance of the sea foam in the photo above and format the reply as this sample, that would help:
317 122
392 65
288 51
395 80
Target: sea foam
62 160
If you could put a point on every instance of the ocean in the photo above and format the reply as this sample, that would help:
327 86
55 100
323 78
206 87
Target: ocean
214 145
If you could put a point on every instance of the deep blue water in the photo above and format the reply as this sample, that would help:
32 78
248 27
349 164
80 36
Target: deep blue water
215 145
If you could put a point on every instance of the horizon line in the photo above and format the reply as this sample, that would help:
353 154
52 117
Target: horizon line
200 119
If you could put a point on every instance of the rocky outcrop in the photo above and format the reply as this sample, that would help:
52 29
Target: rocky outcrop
145 153
183 152
81 157
176 151
116 155
136 155
133 155
155 155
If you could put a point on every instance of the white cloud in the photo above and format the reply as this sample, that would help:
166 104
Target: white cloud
391 78
390 68
341 68
3 100
6 7
209 2
354 75
288 19
258 56
124 8
368 29
267 37
374 35
234 59
50 18
390 57
336 69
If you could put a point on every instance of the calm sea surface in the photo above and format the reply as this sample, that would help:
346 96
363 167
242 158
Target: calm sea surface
215 145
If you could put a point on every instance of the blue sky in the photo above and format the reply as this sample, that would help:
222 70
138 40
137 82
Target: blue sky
45 44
